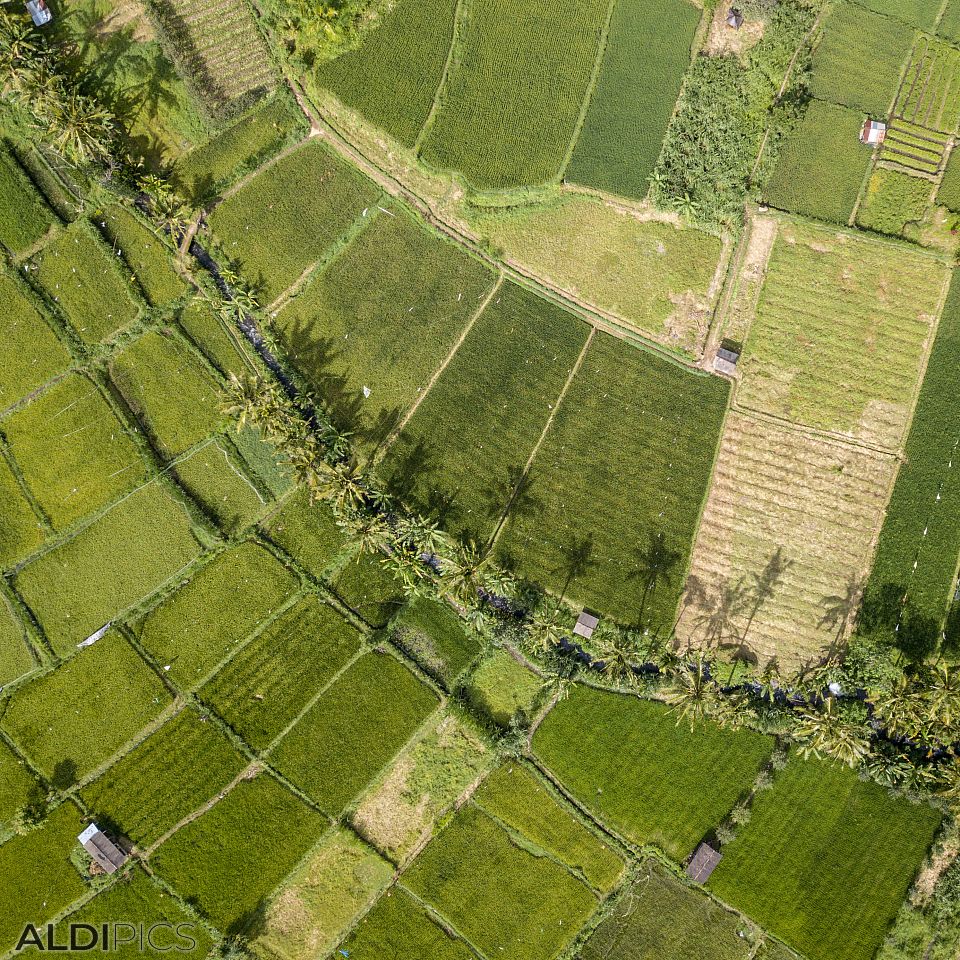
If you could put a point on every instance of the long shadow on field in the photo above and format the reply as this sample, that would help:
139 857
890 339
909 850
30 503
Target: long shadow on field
838 611
576 560
511 496
251 924
64 774
720 611
656 564
764 586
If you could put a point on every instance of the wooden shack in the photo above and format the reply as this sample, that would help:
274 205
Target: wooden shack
103 850
726 361
586 624
703 863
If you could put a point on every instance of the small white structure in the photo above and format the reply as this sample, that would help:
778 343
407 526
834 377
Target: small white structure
873 132
734 18
726 361
103 850
39 12
585 625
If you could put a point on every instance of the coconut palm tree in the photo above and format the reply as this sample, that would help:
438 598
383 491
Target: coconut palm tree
463 573
693 692
619 653
369 532
547 627
828 733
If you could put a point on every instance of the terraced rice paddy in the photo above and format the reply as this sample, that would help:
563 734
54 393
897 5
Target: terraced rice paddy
930 94
915 147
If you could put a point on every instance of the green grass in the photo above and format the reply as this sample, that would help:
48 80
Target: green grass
15 656
382 316
320 901
399 927
822 165
165 778
149 258
207 169
20 529
627 461
949 25
245 586
39 165
393 77
647 777
892 201
922 522
215 478
37 879
288 216
826 860
78 272
138 900
949 191
356 726
24 216
71 720
661 918
460 456
30 353
503 691
216 339
16 785
918 13
265 686
656 276
930 95
112 564
531 912
511 101
432 634
229 860
517 798
74 453
174 420
368 588
859 59
308 532
646 56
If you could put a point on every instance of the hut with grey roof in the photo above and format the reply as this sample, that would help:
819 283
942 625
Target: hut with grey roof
103 850
703 863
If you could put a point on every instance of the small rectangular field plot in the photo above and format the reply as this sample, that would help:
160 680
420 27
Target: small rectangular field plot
930 93
915 147
511 102
393 76
841 332
216 338
263 689
111 565
283 220
21 531
17 786
71 720
353 729
590 524
532 911
825 860
308 532
165 778
370 331
369 589
784 542
16 658
647 777
463 452
73 452
919 13
24 216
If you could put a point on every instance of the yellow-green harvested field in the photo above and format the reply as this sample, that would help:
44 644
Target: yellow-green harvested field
841 333
784 541
660 278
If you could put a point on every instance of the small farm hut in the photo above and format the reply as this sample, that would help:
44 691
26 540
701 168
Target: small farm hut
103 850
873 132
703 863
39 12
586 624
726 361
734 18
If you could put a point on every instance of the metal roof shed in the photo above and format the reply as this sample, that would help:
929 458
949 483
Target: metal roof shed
585 625
103 850
703 863
726 361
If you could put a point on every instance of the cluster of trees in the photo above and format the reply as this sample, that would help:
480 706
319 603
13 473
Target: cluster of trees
316 30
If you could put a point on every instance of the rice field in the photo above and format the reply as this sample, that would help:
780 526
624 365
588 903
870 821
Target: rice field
930 94
21 530
915 147
25 218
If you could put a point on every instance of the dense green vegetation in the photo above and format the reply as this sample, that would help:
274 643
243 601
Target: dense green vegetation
919 13
15 656
368 588
308 532
214 337
503 691
15 786
20 529
892 200
24 217
949 191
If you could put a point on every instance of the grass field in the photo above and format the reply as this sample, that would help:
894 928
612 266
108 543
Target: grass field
73 452
949 25
784 543
892 201
16 783
283 220
355 727
652 780
368 588
228 869
394 75
373 327
265 686
30 353
501 691
510 105
112 564
930 94
460 456
24 216
308 532
518 799
15 656
69 721
20 529
322 898
174 420
646 56
216 340
614 494
822 165
165 778
856 304
656 276
922 522
949 191
533 910
919 13
859 60
79 274
661 918
247 584
826 860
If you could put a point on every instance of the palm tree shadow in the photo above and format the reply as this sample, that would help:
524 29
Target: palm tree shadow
721 611
656 564
839 610
576 560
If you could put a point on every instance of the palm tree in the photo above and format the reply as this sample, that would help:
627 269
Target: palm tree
349 488
547 627
618 652
829 734
76 126
657 563
368 531
693 692
463 572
